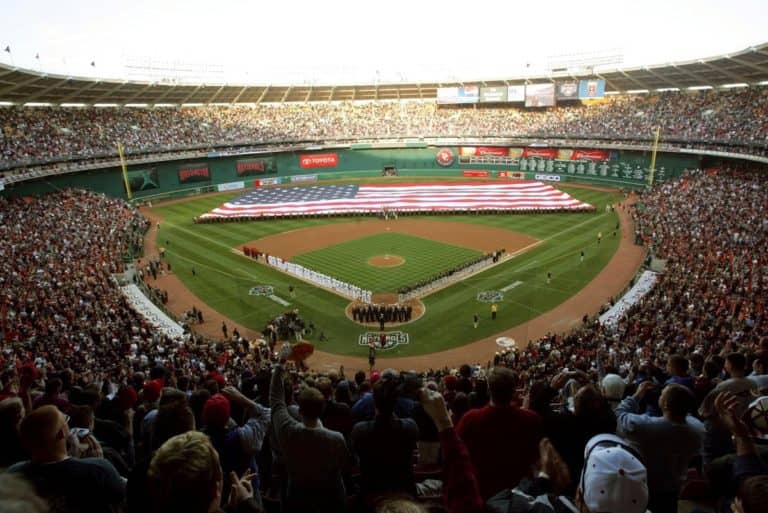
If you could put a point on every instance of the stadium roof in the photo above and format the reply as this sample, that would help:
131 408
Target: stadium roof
22 86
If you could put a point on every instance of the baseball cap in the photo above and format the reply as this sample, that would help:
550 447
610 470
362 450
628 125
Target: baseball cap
216 411
152 390
757 413
613 387
613 480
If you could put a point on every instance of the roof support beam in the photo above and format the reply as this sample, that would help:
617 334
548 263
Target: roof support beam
243 91
218 91
634 80
698 78
31 81
736 78
661 78
262 95
39 94
750 65
190 95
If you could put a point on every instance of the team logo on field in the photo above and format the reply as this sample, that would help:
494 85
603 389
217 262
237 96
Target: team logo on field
261 290
506 342
444 157
391 339
490 296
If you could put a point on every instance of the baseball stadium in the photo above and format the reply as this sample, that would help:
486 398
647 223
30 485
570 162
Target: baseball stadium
386 295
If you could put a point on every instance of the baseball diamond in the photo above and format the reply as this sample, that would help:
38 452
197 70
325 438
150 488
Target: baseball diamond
341 247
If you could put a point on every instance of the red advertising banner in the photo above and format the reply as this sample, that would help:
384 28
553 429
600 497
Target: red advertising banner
194 173
594 155
540 153
480 151
513 175
319 160
475 173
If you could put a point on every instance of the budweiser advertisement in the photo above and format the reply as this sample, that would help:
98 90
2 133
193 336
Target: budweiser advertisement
540 153
319 160
194 173
474 173
593 155
514 175
481 151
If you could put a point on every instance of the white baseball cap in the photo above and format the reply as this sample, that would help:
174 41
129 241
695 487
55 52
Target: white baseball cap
613 480
613 387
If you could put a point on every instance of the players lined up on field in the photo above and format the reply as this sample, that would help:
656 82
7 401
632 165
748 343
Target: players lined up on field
450 275
382 313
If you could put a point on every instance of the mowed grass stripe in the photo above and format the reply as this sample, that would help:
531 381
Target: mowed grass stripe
348 261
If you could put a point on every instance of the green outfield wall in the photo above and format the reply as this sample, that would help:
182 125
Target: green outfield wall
625 169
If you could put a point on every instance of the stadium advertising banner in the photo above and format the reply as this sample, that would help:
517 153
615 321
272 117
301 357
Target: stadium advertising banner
512 175
493 94
197 172
319 160
481 151
475 173
263 182
568 90
143 179
591 88
231 186
447 94
593 155
255 167
611 171
516 93
444 157
564 154
466 94
540 95
540 153
303 178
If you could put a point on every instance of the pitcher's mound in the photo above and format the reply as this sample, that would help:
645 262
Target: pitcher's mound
386 261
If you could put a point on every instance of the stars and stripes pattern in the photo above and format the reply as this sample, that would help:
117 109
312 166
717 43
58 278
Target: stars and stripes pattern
403 197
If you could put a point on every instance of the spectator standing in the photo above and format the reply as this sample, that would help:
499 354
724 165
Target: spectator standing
667 444
90 485
237 446
385 445
502 438
315 458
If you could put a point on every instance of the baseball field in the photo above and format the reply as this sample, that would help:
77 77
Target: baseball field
546 270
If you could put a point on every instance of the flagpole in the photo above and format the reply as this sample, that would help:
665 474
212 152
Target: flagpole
125 171
653 157
10 53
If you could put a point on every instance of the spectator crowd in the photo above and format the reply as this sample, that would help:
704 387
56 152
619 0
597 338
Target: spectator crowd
98 411
717 119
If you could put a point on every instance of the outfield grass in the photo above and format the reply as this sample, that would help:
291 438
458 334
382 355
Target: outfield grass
348 261
223 278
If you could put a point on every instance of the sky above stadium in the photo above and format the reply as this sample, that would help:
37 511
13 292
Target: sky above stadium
344 42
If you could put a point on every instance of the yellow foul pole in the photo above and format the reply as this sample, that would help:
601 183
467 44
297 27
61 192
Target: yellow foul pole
653 157
125 171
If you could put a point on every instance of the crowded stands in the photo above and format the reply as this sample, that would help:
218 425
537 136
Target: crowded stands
100 412
729 120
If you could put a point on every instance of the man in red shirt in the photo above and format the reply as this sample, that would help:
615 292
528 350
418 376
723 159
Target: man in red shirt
502 438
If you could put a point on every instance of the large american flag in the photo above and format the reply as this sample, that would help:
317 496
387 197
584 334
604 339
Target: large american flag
401 197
